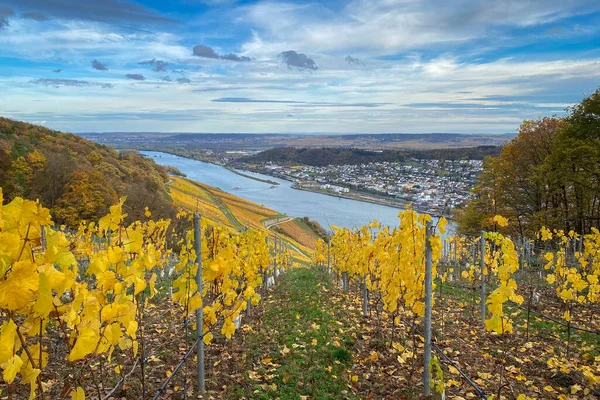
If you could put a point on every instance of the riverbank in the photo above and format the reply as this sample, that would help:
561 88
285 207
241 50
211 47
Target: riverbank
358 196
249 176
211 161
353 196
326 210
398 204
380 200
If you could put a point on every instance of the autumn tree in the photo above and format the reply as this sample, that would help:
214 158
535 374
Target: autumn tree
77 178
549 175
87 197
573 168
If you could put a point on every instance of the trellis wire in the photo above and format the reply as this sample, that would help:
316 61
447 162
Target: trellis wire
162 388
479 391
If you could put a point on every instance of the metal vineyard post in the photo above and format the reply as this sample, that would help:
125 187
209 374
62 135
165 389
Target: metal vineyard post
428 306
200 311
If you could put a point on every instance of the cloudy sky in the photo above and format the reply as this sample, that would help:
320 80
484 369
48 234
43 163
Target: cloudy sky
295 66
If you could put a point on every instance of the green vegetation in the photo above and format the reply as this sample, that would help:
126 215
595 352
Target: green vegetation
174 171
315 227
300 349
319 157
322 157
235 171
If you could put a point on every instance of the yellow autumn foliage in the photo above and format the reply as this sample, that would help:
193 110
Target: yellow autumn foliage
97 307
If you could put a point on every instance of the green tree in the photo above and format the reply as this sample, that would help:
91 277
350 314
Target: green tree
549 175
574 166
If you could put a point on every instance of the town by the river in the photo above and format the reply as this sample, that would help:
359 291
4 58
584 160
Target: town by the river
327 210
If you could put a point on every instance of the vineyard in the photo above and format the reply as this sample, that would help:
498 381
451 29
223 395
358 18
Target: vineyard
509 319
81 309
109 310
222 209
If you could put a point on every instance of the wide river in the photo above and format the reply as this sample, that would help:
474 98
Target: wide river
327 210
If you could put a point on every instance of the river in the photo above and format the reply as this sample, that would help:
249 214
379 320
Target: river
327 210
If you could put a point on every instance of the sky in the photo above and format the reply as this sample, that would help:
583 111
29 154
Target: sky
357 66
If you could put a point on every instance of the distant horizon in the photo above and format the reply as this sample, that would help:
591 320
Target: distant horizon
290 133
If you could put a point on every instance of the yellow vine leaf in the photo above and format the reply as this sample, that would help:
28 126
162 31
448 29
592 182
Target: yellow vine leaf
228 328
8 336
19 289
85 344
44 302
501 221
78 394
545 234
114 218
11 368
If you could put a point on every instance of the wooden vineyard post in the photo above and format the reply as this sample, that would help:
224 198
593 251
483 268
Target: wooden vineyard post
428 306
482 266
265 274
445 252
580 250
529 310
43 237
200 311
345 281
521 254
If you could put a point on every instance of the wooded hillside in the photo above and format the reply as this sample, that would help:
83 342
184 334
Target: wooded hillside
76 178
319 157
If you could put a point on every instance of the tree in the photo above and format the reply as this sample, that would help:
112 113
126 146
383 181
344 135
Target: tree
549 175
574 165
87 197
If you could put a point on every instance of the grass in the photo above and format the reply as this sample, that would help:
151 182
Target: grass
303 345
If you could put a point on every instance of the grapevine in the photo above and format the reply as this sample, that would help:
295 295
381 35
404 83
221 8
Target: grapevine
91 288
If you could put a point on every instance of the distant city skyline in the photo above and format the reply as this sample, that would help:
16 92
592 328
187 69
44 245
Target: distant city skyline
380 66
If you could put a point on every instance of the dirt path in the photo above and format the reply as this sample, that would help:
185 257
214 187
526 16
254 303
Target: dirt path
269 223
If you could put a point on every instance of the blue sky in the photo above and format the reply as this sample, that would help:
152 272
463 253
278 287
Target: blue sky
294 66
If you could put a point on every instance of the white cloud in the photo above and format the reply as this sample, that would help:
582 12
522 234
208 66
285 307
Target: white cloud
462 97
391 26
443 91
75 40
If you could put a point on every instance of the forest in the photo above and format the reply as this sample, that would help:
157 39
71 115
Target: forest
549 175
76 178
319 157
